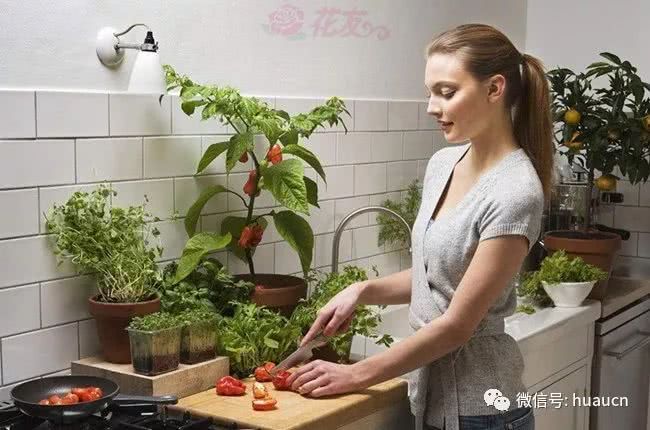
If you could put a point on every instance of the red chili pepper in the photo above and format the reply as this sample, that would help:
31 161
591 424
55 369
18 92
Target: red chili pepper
251 236
280 381
274 156
262 373
244 158
250 187
229 386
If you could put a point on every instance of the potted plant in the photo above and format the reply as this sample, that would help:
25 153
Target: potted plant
278 170
567 280
198 336
365 321
112 244
391 231
604 127
155 343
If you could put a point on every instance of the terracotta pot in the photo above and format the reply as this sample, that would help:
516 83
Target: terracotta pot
112 319
594 247
278 292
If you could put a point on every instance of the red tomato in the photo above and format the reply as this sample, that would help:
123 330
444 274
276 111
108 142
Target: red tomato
44 402
86 397
70 399
78 391
280 381
229 386
267 404
262 373
54 399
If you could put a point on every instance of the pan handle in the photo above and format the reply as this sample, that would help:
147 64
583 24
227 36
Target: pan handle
125 399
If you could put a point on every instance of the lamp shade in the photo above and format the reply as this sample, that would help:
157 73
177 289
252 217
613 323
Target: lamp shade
147 75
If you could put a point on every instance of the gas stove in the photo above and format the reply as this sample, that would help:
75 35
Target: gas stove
140 416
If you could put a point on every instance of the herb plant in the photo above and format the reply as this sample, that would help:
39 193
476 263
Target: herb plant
391 231
278 169
111 242
155 321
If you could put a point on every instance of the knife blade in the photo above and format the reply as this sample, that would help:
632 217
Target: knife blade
300 355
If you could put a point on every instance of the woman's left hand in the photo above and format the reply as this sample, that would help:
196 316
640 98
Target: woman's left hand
322 378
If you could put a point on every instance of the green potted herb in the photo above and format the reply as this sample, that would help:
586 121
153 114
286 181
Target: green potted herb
198 336
566 280
155 343
277 169
365 321
112 244
391 231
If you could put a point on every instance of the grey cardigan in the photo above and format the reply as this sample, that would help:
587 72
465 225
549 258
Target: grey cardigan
506 200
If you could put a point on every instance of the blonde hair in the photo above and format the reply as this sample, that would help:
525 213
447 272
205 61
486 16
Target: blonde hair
485 51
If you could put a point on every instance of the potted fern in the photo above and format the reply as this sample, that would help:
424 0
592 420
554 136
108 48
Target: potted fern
278 169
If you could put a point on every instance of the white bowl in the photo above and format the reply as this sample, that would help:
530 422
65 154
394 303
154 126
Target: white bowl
568 294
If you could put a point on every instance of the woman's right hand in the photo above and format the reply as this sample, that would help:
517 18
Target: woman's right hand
335 317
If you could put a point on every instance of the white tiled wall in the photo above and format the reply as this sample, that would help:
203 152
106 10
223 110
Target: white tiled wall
53 143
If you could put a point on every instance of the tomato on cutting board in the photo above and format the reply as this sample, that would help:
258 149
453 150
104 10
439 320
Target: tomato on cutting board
267 404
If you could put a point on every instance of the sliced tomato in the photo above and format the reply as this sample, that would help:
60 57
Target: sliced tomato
78 391
54 399
70 399
267 404
259 390
262 373
280 380
86 396
269 365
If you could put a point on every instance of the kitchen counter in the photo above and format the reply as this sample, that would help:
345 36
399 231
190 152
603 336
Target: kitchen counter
628 284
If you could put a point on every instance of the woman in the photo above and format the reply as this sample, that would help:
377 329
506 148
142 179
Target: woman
460 285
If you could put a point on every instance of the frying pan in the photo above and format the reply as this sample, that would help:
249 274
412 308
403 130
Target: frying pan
27 395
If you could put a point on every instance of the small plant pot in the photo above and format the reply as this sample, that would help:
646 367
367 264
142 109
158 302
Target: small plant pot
278 292
198 343
155 352
568 294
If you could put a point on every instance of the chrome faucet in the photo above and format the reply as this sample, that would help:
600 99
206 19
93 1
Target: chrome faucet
339 229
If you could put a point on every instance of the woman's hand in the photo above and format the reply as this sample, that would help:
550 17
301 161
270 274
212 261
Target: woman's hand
335 317
322 378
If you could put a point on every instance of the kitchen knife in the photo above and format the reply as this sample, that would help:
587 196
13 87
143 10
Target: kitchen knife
300 355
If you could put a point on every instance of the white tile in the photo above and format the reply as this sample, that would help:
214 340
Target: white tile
171 156
323 248
644 245
88 340
632 218
644 194
184 124
111 159
286 259
49 196
187 190
386 146
236 183
323 145
630 193
400 174
425 121
19 309
66 300
139 114
378 200
370 115
364 242
71 114
418 145
39 352
386 264
28 260
19 216
18 113
160 193
422 169
339 182
439 141
25 163
345 206
369 179
321 219
172 238
605 214
629 247
353 148
263 261
402 115
218 166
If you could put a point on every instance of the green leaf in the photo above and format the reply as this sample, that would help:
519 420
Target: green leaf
190 105
611 57
195 249
195 210
297 232
271 343
289 138
305 154
211 153
285 181
239 144
312 191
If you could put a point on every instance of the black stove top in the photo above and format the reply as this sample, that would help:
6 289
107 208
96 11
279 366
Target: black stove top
141 416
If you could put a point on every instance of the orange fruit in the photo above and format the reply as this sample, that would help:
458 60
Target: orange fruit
572 117
606 182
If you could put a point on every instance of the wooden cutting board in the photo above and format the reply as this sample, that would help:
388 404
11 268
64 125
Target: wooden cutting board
295 412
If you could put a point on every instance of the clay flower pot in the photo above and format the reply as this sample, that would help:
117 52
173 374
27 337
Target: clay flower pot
278 292
594 247
112 320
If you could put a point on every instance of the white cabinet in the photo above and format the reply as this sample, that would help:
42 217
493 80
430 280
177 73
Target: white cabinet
565 415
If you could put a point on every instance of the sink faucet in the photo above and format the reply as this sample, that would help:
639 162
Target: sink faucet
348 218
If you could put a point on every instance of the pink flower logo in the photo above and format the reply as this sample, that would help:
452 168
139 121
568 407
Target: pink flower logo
286 21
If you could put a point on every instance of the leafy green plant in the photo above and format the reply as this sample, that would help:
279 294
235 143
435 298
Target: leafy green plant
365 321
391 231
198 316
111 242
253 335
209 286
555 269
270 171
155 321
605 127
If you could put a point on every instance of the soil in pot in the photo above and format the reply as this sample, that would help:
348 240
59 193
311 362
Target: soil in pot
198 343
155 352
278 292
112 319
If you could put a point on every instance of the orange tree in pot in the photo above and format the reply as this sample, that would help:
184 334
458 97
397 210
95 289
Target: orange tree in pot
114 246
276 168
602 127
